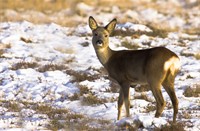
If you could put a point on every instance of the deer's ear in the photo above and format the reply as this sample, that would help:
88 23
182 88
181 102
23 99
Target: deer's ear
92 23
111 26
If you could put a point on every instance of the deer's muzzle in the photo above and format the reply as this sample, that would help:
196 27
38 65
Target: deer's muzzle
99 42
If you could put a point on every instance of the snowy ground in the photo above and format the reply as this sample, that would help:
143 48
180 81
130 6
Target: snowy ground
51 78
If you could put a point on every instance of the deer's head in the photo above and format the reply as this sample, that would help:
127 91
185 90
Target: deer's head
101 34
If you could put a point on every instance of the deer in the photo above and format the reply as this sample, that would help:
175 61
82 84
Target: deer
155 67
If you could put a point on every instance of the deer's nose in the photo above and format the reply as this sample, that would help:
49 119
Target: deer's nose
99 42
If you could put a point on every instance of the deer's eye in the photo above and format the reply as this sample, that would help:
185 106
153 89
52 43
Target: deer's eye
95 34
106 35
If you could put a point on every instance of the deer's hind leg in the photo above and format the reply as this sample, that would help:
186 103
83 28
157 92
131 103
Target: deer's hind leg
160 103
168 84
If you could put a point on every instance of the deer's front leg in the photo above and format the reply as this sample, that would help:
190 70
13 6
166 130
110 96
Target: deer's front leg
120 103
125 88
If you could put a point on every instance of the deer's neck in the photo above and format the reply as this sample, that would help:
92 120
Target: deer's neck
104 55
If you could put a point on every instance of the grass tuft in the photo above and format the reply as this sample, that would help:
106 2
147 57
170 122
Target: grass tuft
192 91
55 125
3 48
150 108
74 97
25 40
90 99
197 56
172 127
158 31
51 67
129 45
82 75
13 106
83 89
24 65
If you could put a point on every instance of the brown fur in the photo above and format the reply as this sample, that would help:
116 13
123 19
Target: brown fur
156 67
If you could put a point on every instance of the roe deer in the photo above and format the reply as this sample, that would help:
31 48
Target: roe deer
156 67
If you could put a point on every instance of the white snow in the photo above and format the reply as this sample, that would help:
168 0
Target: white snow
53 44
133 27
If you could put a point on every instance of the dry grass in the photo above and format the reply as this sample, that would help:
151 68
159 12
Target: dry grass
52 67
60 118
141 88
90 99
11 105
55 125
129 45
172 127
197 56
186 53
3 48
39 5
1 53
24 65
48 10
150 108
83 90
186 115
192 31
44 68
67 120
158 31
87 124
82 75
74 97
25 40
192 91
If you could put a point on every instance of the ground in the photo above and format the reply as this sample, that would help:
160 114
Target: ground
51 79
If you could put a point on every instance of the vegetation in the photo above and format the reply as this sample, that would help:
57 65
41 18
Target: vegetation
91 99
193 91
65 13
150 107
3 48
51 67
24 65
129 45
172 127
